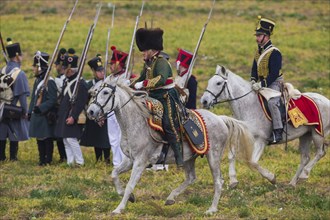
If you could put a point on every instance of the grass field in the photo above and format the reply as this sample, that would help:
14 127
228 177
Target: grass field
28 191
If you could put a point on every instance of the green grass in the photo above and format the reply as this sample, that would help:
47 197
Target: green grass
28 191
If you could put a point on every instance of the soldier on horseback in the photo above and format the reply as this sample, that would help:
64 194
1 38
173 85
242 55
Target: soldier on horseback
266 72
157 78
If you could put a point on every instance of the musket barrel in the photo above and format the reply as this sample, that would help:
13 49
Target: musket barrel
189 72
3 49
51 62
127 76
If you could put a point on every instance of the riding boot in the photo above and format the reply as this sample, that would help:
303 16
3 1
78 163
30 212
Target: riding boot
106 155
3 150
13 150
276 136
177 154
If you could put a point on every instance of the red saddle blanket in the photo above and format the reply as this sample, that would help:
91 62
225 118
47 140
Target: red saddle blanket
302 111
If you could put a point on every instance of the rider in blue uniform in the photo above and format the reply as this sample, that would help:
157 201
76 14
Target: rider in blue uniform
266 72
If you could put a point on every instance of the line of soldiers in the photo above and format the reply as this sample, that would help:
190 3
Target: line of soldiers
56 118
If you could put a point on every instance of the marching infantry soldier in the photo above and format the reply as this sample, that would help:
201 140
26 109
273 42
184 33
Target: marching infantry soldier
183 61
266 72
95 135
67 126
42 127
17 91
59 79
156 77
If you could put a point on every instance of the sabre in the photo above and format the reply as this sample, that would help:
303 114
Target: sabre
197 46
51 62
127 75
3 49
84 55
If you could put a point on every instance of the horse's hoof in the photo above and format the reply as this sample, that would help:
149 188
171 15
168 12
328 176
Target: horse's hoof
131 198
233 185
211 211
116 212
273 181
169 202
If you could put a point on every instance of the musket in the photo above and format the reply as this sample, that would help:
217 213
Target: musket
51 62
3 49
84 55
132 43
189 72
107 44
106 54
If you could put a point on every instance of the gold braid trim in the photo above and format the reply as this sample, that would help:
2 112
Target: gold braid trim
263 69
168 102
151 83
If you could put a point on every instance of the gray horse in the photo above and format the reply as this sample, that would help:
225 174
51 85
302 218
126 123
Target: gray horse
142 145
226 86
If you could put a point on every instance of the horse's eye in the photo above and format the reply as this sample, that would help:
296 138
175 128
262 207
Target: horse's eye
105 93
218 83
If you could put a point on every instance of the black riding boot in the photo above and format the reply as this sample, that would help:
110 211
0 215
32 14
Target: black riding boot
98 153
177 154
13 150
276 136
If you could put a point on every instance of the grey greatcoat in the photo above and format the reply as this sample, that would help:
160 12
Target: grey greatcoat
63 130
40 126
17 130
94 135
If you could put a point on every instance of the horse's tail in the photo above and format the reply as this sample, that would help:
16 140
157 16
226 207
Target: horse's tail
240 139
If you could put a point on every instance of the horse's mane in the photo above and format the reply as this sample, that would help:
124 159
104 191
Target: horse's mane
138 97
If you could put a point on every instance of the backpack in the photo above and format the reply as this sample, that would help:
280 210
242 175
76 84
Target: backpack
6 81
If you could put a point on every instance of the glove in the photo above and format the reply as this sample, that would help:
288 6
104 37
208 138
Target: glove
36 110
256 86
252 82
127 82
138 85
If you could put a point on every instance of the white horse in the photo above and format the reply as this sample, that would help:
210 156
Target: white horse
142 145
226 86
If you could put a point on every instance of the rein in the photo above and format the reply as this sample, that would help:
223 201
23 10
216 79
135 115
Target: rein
225 86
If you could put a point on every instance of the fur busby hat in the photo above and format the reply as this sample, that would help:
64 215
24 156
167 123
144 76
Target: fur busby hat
40 59
149 39
96 64
13 49
184 58
118 57
264 26
70 59
60 56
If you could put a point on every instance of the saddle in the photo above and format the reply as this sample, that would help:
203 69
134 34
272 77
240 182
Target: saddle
192 127
300 109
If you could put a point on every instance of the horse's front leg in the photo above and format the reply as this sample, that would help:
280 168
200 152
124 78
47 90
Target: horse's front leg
257 151
139 165
189 168
123 167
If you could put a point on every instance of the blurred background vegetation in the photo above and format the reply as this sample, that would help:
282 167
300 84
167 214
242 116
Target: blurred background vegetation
57 192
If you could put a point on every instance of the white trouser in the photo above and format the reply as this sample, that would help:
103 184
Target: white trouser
73 151
114 134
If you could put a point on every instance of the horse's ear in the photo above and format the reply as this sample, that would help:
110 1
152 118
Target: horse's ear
221 70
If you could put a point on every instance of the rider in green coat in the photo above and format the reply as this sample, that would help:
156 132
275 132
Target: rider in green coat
156 77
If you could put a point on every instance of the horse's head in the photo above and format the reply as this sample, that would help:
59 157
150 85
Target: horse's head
216 88
103 102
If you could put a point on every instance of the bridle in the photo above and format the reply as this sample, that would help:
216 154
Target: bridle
225 86
112 94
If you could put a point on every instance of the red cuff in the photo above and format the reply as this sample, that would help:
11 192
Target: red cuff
145 83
